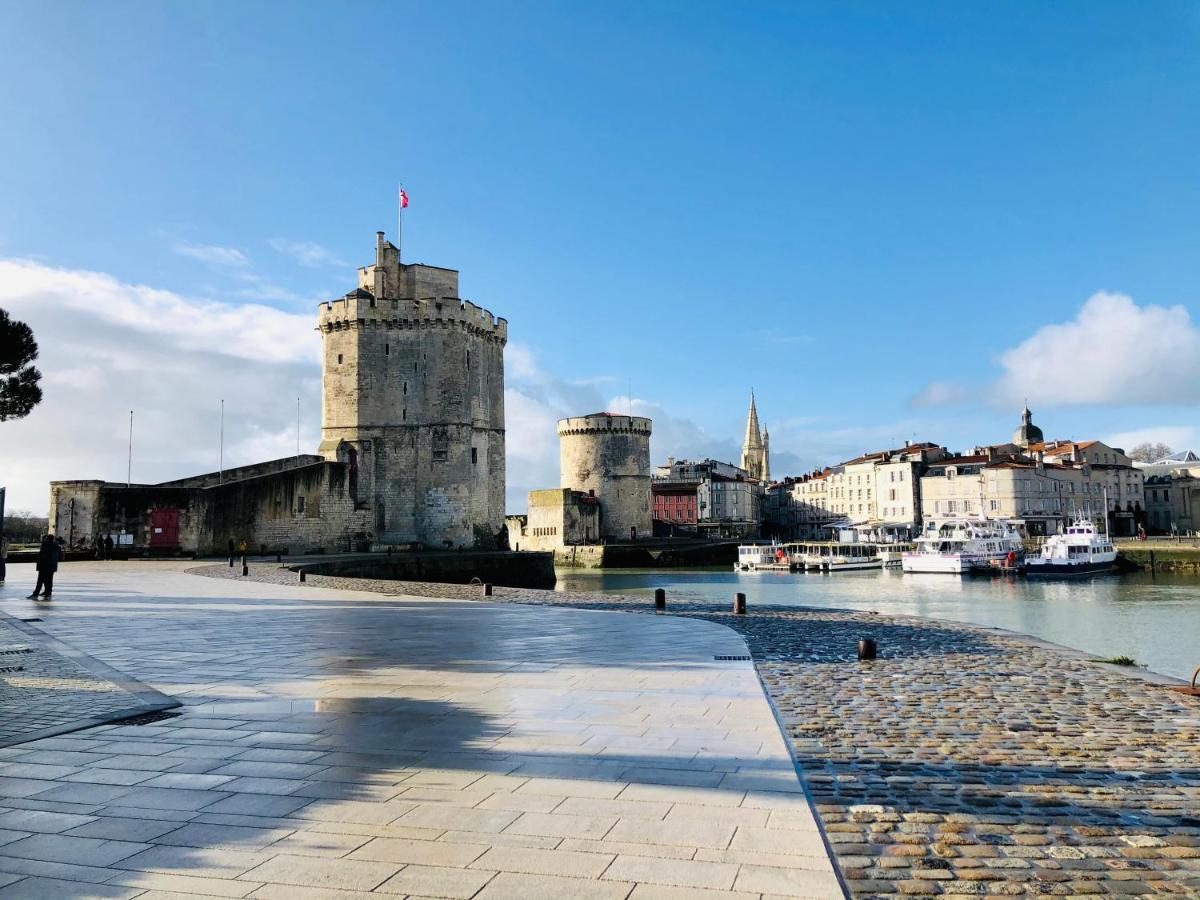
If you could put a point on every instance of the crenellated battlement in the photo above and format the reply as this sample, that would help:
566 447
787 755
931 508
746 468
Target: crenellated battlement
362 310
604 423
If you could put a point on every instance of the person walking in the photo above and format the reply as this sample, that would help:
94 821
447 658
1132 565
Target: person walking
3 554
47 565
108 546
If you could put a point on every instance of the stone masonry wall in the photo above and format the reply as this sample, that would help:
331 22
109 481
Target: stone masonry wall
610 455
414 403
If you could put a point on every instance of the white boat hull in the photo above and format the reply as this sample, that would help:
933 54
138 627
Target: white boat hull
854 565
949 563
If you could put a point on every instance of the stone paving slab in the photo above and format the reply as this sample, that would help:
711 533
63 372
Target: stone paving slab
966 761
338 744
49 688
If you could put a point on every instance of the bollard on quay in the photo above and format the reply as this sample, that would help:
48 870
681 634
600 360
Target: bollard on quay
660 599
739 604
302 576
278 557
866 649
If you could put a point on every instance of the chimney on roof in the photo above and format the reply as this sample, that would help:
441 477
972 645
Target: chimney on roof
908 443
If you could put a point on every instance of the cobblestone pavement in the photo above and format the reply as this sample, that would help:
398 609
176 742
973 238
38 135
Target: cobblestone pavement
967 760
342 745
47 688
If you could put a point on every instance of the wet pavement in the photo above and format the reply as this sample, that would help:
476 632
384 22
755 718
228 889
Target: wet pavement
969 761
337 744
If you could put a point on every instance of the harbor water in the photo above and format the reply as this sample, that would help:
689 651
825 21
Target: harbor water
1154 619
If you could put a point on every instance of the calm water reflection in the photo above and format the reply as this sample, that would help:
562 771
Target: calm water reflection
1154 620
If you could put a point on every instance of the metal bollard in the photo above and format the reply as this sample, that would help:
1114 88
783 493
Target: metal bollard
245 569
487 590
278 557
660 599
231 562
739 604
302 576
866 649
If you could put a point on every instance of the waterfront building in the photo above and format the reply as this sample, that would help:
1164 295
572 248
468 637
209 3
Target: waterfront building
798 508
706 497
756 453
1172 500
883 487
877 490
1038 497
558 517
412 441
1111 471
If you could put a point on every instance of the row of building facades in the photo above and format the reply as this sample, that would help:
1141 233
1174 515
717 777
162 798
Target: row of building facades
1038 484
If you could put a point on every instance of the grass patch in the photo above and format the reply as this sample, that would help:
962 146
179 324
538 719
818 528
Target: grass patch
1119 661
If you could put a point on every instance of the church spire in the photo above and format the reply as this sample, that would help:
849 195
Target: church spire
754 454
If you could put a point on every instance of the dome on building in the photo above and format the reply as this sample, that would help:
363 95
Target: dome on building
1028 433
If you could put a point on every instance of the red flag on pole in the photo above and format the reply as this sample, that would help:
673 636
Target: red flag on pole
403 199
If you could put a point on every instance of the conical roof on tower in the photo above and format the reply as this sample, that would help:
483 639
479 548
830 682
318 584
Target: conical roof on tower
754 456
753 432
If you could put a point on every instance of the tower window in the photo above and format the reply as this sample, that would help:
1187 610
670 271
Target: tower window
474 455
468 359
404 415
387 349
406 388
339 359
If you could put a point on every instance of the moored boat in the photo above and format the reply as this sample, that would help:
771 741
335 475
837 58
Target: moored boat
1080 550
765 556
964 545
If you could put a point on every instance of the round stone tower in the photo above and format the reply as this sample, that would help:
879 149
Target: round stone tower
609 456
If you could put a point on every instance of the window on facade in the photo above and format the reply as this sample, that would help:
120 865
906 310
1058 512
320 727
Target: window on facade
387 349
300 504
339 359
474 455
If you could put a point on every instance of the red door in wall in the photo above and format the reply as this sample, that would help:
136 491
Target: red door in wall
164 528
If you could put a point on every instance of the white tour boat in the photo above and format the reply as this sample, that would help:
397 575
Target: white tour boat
834 556
964 545
753 557
849 557
1079 551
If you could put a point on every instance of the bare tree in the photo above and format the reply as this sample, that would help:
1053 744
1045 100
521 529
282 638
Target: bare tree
19 388
1150 451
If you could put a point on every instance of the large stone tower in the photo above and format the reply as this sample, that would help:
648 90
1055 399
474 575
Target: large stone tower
414 403
609 456
756 455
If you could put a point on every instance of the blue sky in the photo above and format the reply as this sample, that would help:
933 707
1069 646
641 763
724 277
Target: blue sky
837 204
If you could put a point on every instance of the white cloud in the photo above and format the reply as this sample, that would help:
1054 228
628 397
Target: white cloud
1177 437
306 253
1114 352
941 393
107 347
213 254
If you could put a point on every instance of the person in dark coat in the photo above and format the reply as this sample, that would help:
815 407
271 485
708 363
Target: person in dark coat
108 546
47 565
